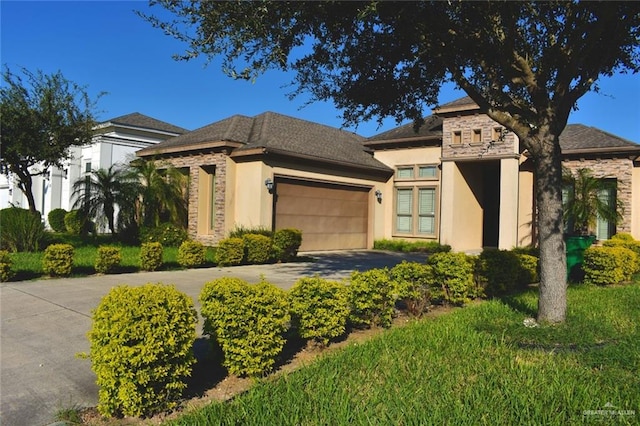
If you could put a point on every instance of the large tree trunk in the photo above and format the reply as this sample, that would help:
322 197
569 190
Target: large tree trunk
552 303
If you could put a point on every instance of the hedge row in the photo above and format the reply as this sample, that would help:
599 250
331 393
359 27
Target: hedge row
256 247
142 338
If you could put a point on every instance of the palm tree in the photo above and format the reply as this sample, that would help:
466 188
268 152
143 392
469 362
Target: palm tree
585 202
98 194
162 193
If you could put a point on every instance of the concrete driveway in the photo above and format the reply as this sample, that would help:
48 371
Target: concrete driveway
43 325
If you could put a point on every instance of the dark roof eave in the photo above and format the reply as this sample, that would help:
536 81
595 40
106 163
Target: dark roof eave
267 151
404 140
620 150
151 151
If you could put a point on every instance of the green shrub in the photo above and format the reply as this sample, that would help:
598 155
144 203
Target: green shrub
605 265
167 234
319 308
257 248
498 272
287 242
247 322
371 298
453 277
58 260
20 230
75 222
240 231
627 243
623 236
150 256
6 273
141 349
412 282
230 252
529 250
56 220
192 254
411 246
108 259
529 269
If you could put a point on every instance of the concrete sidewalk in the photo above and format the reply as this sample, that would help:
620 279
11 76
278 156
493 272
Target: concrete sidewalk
43 325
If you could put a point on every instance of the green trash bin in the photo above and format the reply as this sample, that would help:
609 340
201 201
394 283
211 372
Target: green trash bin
576 245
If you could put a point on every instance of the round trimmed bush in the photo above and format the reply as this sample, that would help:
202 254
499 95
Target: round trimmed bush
142 349
230 252
453 277
412 282
287 242
257 248
192 254
56 220
371 298
319 308
58 260
247 322
150 256
5 266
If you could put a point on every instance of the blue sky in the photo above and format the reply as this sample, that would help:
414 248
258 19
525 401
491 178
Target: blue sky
106 47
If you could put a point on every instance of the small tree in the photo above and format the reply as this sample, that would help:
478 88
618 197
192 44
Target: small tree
585 203
43 115
102 191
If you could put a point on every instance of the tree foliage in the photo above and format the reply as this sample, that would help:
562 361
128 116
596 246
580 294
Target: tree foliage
525 64
162 193
103 191
43 115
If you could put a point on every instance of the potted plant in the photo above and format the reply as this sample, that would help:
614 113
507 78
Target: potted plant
584 203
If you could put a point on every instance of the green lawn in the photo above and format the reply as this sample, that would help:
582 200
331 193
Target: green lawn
477 365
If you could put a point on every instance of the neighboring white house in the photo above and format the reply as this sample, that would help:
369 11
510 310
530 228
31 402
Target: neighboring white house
115 141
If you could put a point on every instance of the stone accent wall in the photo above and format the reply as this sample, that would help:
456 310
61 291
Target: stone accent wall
618 168
466 124
193 163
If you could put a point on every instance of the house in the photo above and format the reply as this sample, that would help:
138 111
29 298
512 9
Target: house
460 180
114 142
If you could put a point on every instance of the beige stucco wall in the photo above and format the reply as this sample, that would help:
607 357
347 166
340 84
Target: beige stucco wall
385 223
253 204
525 208
509 203
461 214
635 202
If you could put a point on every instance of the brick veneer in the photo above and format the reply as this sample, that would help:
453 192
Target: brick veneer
618 168
193 163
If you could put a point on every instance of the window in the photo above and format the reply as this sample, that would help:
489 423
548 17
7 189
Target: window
476 136
416 212
496 135
404 210
605 228
457 137
87 167
429 172
427 211
404 173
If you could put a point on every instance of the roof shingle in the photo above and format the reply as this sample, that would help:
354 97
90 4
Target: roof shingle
140 120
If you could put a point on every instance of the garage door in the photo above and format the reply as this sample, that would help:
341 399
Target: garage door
331 217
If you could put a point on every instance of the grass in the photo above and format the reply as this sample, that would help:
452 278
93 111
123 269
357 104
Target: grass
477 365
28 265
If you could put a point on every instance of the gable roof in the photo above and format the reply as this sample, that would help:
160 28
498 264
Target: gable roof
274 133
136 119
